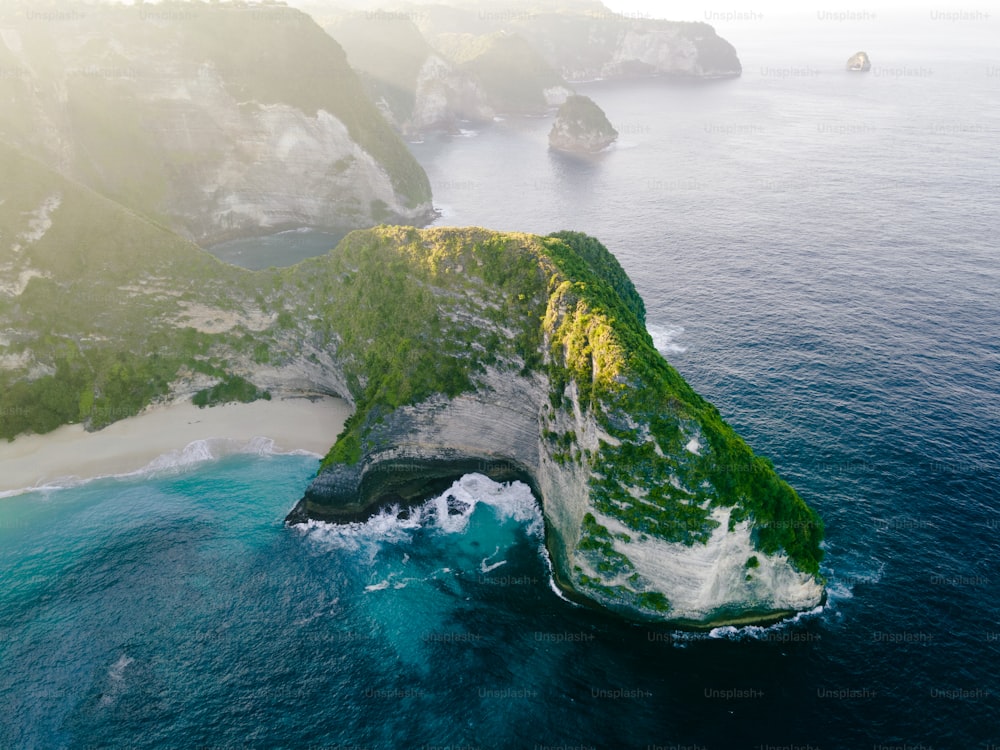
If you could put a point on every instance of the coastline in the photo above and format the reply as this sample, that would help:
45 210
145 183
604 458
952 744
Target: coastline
294 422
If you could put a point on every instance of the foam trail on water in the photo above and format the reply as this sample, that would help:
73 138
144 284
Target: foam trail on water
665 338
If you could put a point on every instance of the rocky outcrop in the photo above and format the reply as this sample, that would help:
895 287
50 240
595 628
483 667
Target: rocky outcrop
581 127
461 350
412 84
444 98
219 120
859 63
653 507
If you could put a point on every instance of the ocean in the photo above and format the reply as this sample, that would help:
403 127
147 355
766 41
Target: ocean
817 251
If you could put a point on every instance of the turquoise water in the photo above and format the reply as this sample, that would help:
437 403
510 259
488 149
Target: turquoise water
819 259
177 610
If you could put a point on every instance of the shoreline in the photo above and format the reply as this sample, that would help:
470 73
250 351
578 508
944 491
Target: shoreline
70 454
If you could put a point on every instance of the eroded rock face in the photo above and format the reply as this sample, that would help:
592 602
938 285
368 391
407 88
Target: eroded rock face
445 97
162 110
581 127
859 62
654 508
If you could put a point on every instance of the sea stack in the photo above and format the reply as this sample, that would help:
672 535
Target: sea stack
859 62
581 127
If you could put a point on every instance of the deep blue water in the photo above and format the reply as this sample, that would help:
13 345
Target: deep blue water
819 259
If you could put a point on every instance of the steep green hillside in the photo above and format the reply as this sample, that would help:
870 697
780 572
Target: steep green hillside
511 71
455 345
216 119
93 301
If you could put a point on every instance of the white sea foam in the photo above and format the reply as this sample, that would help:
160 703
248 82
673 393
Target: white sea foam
485 566
116 680
665 338
509 502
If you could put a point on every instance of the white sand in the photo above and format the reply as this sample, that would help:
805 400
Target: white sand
293 423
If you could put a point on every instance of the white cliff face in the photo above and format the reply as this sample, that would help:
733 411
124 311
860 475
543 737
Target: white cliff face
125 107
662 50
266 166
503 423
288 168
703 582
704 579
445 96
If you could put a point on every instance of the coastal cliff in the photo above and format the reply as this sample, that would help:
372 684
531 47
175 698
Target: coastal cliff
460 350
220 120
581 127
433 67
543 371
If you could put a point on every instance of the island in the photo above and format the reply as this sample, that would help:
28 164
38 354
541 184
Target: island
581 127
859 63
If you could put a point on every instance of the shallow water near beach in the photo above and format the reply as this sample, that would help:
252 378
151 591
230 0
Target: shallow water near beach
831 288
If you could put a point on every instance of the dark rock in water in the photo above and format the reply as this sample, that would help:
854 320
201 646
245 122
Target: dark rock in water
581 127
457 507
859 62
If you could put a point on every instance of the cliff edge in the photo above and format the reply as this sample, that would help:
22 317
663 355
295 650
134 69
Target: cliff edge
541 369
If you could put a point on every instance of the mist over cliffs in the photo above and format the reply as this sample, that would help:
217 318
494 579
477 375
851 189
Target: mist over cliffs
218 120
433 66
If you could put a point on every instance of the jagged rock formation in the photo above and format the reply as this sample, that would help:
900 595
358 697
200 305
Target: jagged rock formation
581 127
220 120
413 85
859 62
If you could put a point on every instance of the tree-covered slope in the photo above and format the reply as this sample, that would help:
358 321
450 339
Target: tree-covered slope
455 345
217 119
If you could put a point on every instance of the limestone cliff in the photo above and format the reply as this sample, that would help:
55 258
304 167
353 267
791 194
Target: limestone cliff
589 41
219 120
461 349
432 66
411 83
581 127
543 370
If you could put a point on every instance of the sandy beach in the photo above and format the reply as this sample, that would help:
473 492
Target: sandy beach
163 433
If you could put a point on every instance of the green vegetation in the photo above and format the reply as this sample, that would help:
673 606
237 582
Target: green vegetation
512 72
580 118
649 482
101 330
231 389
